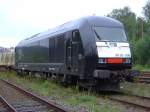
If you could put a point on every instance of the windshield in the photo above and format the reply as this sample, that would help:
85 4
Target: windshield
110 34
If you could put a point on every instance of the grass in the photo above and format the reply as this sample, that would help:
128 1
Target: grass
141 67
70 96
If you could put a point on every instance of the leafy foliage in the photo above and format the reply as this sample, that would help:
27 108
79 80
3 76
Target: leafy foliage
142 51
147 10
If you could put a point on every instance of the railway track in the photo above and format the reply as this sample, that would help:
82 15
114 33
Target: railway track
5 106
16 99
145 77
146 73
137 102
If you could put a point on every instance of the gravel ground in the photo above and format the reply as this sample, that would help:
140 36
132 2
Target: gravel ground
83 108
53 99
102 103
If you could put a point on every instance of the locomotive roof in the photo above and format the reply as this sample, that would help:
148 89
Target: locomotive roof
76 24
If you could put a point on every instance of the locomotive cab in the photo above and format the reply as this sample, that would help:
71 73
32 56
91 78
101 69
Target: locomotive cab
114 56
112 48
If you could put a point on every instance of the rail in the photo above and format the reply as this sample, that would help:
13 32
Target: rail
144 77
35 101
6 106
132 100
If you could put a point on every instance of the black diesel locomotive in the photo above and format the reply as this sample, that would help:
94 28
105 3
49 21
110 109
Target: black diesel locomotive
91 51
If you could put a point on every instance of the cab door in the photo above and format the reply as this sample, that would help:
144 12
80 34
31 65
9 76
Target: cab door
69 54
74 52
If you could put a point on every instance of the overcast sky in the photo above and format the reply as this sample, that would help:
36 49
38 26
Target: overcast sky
20 19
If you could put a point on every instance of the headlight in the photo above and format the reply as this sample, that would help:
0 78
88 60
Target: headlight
102 60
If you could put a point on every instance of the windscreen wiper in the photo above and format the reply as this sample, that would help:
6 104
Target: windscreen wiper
97 35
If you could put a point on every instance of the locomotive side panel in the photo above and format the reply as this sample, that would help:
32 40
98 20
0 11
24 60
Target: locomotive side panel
33 55
61 53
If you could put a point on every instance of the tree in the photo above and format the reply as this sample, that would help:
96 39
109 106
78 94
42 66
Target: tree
146 10
142 28
128 18
141 51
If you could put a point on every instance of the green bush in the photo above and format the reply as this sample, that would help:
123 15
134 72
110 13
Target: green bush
142 51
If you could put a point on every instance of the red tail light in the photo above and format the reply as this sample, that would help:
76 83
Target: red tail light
115 60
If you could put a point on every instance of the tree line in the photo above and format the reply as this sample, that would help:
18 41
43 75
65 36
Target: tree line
138 32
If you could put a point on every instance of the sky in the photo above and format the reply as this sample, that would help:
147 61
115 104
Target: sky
20 19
